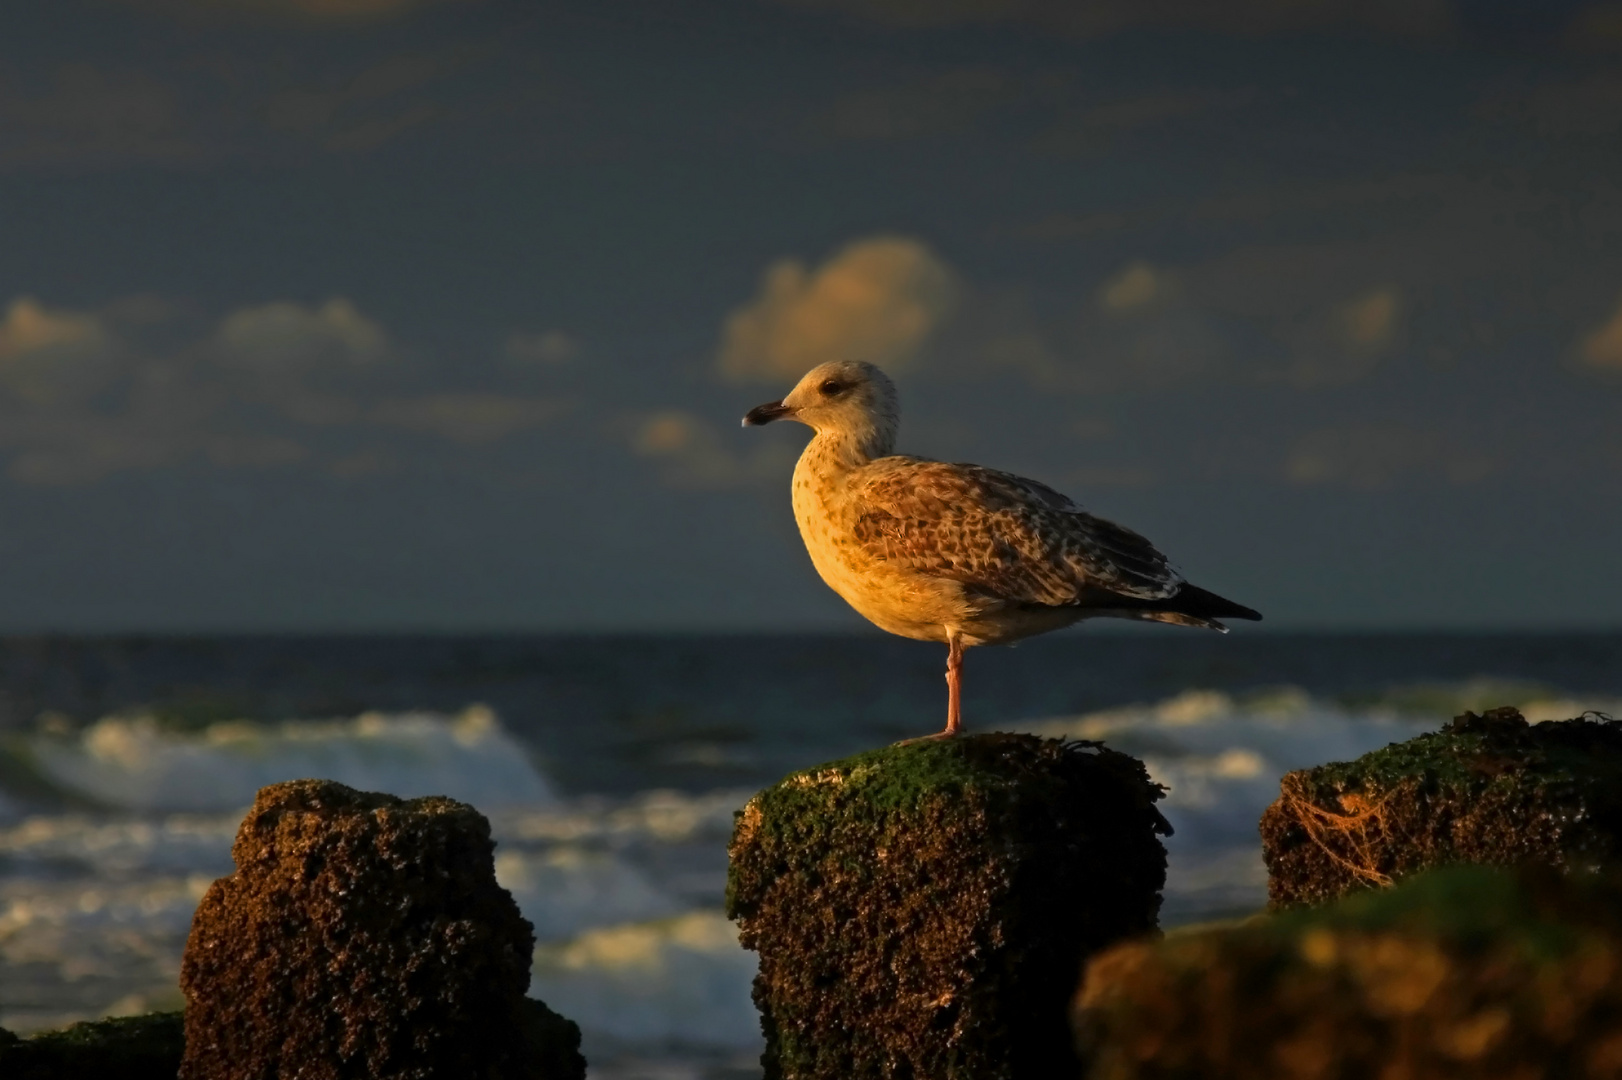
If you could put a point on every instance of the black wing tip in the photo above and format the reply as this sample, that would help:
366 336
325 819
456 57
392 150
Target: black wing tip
1204 604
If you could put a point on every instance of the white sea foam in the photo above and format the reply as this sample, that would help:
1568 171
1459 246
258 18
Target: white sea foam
678 980
1221 758
569 889
134 763
94 908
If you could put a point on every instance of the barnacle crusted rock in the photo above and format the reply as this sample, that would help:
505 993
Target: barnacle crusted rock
924 910
1463 973
1487 788
123 1048
364 936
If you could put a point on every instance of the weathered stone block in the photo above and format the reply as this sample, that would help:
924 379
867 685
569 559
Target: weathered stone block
1485 789
1464 973
363 936
923 911
126 1048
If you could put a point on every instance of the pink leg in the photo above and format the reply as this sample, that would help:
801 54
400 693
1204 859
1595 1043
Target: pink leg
954 692
954 684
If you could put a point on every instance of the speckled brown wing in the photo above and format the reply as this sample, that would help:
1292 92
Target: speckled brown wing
1001 535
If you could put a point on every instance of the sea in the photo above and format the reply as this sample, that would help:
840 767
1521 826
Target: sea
610 768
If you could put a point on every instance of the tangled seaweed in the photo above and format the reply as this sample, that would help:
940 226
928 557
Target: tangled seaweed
1488 788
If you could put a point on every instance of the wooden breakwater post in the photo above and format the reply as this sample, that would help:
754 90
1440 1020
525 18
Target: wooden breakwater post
1486 788
1462 973
119 1048
923 912
365 936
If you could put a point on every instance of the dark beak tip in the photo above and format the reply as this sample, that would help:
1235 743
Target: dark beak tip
765 414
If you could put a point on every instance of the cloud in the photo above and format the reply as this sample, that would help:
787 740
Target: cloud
694 455
467 418
82 116
1347 344
878 300
285 336
1372 457
87 394
51 355
1133 289
1602 349
89 116
539 350
361 111
1408 19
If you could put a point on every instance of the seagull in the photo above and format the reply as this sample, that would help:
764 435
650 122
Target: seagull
959 554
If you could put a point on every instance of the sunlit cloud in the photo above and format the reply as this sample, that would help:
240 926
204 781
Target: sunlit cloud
1369 321
693 454
1602 349
1133 289
1348 344
286 335
51 355
878 300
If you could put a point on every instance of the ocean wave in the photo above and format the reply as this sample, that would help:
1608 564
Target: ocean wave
671 981
622 891
137 764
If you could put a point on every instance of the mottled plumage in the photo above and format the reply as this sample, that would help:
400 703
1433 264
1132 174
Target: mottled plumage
959 553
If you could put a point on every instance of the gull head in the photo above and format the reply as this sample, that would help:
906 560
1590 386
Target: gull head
842 398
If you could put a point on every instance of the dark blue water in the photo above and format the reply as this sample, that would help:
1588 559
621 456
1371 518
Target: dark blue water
618 714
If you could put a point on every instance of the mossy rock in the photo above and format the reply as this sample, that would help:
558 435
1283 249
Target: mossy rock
551 1043
925 910
1487 788
126 1048
149 1048
1465 972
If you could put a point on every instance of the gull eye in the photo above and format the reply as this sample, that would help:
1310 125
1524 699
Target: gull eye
833 387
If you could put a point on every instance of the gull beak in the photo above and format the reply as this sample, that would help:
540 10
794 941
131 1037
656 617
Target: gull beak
765 414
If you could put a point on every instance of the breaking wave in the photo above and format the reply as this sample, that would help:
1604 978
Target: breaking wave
137 764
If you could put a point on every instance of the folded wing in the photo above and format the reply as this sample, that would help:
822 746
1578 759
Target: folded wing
1001 536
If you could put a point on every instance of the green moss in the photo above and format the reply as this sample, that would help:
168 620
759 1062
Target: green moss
1487 788
124 1048
1475 752
923 910
1464 907
1462 972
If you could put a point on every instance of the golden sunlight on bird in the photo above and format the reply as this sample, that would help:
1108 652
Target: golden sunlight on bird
959 553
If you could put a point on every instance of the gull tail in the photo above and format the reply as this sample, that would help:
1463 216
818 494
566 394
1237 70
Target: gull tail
1188 606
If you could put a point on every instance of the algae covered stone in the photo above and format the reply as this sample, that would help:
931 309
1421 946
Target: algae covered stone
124 1048
1464 972
923 911
1487 788
364 936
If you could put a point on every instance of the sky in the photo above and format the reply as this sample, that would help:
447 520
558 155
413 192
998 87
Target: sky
353 315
